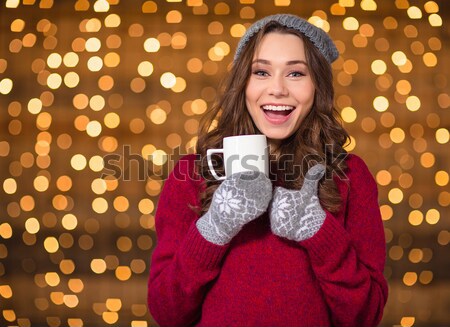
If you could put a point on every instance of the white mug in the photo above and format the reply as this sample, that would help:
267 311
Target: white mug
242 153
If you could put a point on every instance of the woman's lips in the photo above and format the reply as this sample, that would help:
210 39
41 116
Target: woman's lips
277 114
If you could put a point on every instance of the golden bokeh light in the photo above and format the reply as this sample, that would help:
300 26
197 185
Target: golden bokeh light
100 100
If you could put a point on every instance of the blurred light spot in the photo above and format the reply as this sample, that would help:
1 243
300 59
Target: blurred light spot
350 24
6 85
429 59
348 114
69 221
441 178
405 180
76 285
151 45
409 278
10 186
71 79
111 120
432 216
198 106
158 116
399 58
78 162
146 206
427 159
93 128
215 28
98 266
97 102
173 140
67 266
159 157
397 135
174 17
112 59
41 183
93 44
101 6
396 252
413 103
27 203
112 20
380 103
6 291
32 225
179 40
18 24
180 85
51 245
415 217
121 204
168 80
105 83
113 42
93 25
443 237
95 64
368 5
6 231
395 195
113 304
100 205
426 277
435 20
237 30
110 317
149 7
384 177
386 212
54 60
442 136
123 273
414 12
145 68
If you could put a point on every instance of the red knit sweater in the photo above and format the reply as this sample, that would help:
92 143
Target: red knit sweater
259 279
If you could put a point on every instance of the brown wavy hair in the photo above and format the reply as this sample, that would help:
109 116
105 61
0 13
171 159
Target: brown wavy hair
320 137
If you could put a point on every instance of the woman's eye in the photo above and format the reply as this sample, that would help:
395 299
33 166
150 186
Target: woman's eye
260 73
296 74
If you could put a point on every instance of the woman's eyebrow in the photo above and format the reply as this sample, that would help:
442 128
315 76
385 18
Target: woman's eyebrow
289 63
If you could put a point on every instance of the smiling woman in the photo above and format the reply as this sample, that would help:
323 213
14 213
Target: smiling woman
255 250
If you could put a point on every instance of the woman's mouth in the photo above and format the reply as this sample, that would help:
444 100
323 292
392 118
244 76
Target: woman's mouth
277 114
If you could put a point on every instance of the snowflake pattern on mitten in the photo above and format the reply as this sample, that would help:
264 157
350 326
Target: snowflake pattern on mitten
297 214
237 201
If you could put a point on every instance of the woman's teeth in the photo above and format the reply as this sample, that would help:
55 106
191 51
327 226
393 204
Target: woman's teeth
278 108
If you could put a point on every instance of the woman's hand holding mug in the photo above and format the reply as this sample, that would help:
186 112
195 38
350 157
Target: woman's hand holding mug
245 192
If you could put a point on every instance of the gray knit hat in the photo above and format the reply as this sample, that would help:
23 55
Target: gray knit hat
317 36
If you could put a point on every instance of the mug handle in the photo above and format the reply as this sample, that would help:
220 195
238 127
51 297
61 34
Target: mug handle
210 152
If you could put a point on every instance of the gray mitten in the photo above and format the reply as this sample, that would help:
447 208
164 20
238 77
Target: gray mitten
240 199
297 214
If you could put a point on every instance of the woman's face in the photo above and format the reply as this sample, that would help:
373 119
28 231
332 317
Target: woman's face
280 91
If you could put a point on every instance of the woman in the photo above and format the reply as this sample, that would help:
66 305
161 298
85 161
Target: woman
302 250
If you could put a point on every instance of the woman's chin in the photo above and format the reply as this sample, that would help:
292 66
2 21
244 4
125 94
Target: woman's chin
276 138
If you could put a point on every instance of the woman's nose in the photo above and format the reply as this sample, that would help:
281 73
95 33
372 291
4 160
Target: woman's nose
277 87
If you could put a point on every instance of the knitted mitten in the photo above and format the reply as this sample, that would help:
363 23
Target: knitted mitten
240 198
297 214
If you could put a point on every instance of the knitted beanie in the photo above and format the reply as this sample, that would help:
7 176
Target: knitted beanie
316 35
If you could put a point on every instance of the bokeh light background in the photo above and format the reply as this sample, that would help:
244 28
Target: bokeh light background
129 80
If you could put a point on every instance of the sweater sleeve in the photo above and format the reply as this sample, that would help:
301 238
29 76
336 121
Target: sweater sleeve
183 262
348 258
